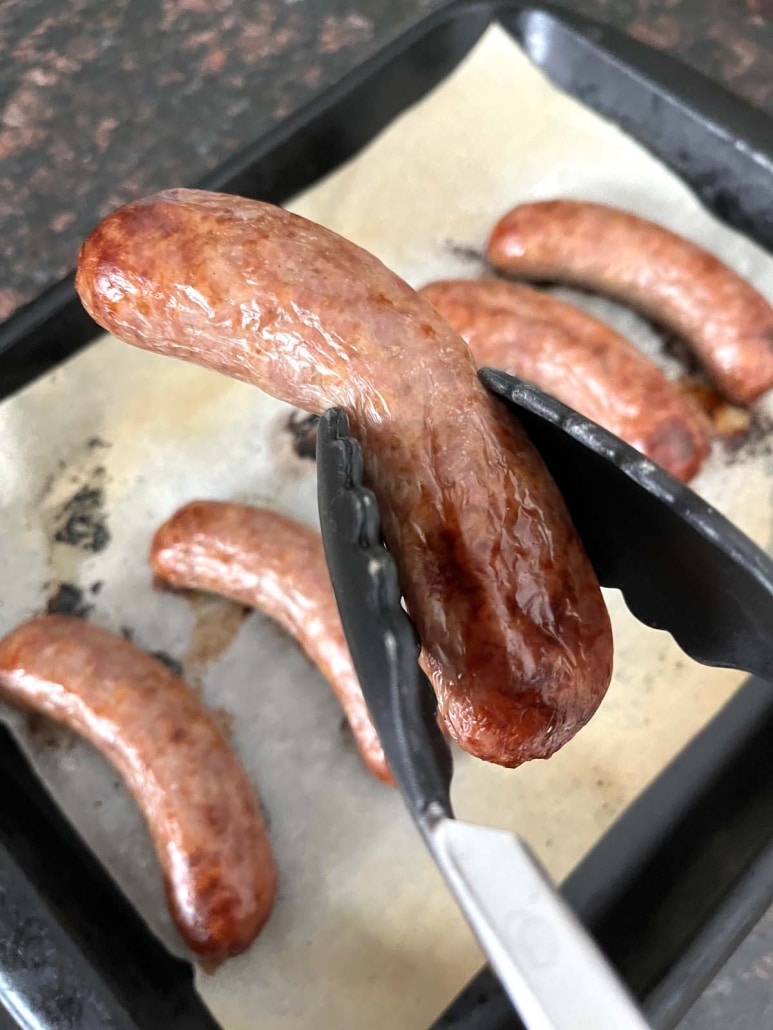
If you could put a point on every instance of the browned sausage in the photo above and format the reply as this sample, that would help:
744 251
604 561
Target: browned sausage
579 360
205 822
270 562
668 278
505 601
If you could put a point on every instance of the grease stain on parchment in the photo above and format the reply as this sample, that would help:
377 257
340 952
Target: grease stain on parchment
218 620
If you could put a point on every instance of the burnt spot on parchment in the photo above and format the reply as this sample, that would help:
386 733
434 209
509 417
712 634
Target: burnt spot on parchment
171 663
81 521
73 513
676 347
68 599
470 255
302 429
74 501
292 443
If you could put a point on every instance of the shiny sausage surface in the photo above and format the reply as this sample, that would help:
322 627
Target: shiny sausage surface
580 361
670 279
272 563
511 618
206 825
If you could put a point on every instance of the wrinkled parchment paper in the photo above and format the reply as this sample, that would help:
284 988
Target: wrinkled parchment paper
97 454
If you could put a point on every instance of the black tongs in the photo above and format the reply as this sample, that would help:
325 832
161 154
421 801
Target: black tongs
681 567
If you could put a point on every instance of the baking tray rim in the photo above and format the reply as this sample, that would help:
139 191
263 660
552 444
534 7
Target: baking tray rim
486 11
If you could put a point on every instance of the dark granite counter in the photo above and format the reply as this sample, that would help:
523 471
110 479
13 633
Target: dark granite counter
104 102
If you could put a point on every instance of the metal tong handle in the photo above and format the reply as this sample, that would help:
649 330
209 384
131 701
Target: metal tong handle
548 964
550 967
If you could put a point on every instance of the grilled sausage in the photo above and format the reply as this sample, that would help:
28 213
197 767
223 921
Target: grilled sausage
578 360
673 281
269 562
506 603
204 820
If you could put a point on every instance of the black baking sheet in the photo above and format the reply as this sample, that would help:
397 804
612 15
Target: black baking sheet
672 887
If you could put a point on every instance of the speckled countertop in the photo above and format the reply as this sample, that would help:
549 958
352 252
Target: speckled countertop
104 102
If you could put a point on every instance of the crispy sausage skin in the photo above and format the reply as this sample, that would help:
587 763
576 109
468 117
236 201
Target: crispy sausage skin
204 820
668 278
514 628
578 360
269 562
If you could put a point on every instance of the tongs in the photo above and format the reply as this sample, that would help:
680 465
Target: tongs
681 566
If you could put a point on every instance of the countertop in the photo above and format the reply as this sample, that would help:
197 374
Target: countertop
102 103
105 102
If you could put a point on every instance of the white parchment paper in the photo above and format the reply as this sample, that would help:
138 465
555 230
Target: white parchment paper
363 933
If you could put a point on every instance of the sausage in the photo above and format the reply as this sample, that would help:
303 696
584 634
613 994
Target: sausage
668 278
578 360
206 825
514 629
269 562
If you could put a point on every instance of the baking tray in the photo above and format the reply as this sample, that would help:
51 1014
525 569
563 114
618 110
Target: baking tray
687 870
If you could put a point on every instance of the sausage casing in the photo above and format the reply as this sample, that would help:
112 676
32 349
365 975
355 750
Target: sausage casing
668 278
578 360
269 562
206 825
511 618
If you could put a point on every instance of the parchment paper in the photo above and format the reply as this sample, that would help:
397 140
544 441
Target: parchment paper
108 445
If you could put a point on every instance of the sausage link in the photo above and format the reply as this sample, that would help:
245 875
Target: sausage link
579 360
269 562
673 281
514 628
205 822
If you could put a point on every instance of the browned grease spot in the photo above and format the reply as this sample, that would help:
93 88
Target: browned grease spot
209 966
217 623
225 722
756 443
727 420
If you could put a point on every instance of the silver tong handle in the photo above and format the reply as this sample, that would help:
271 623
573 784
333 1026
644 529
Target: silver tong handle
552 970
